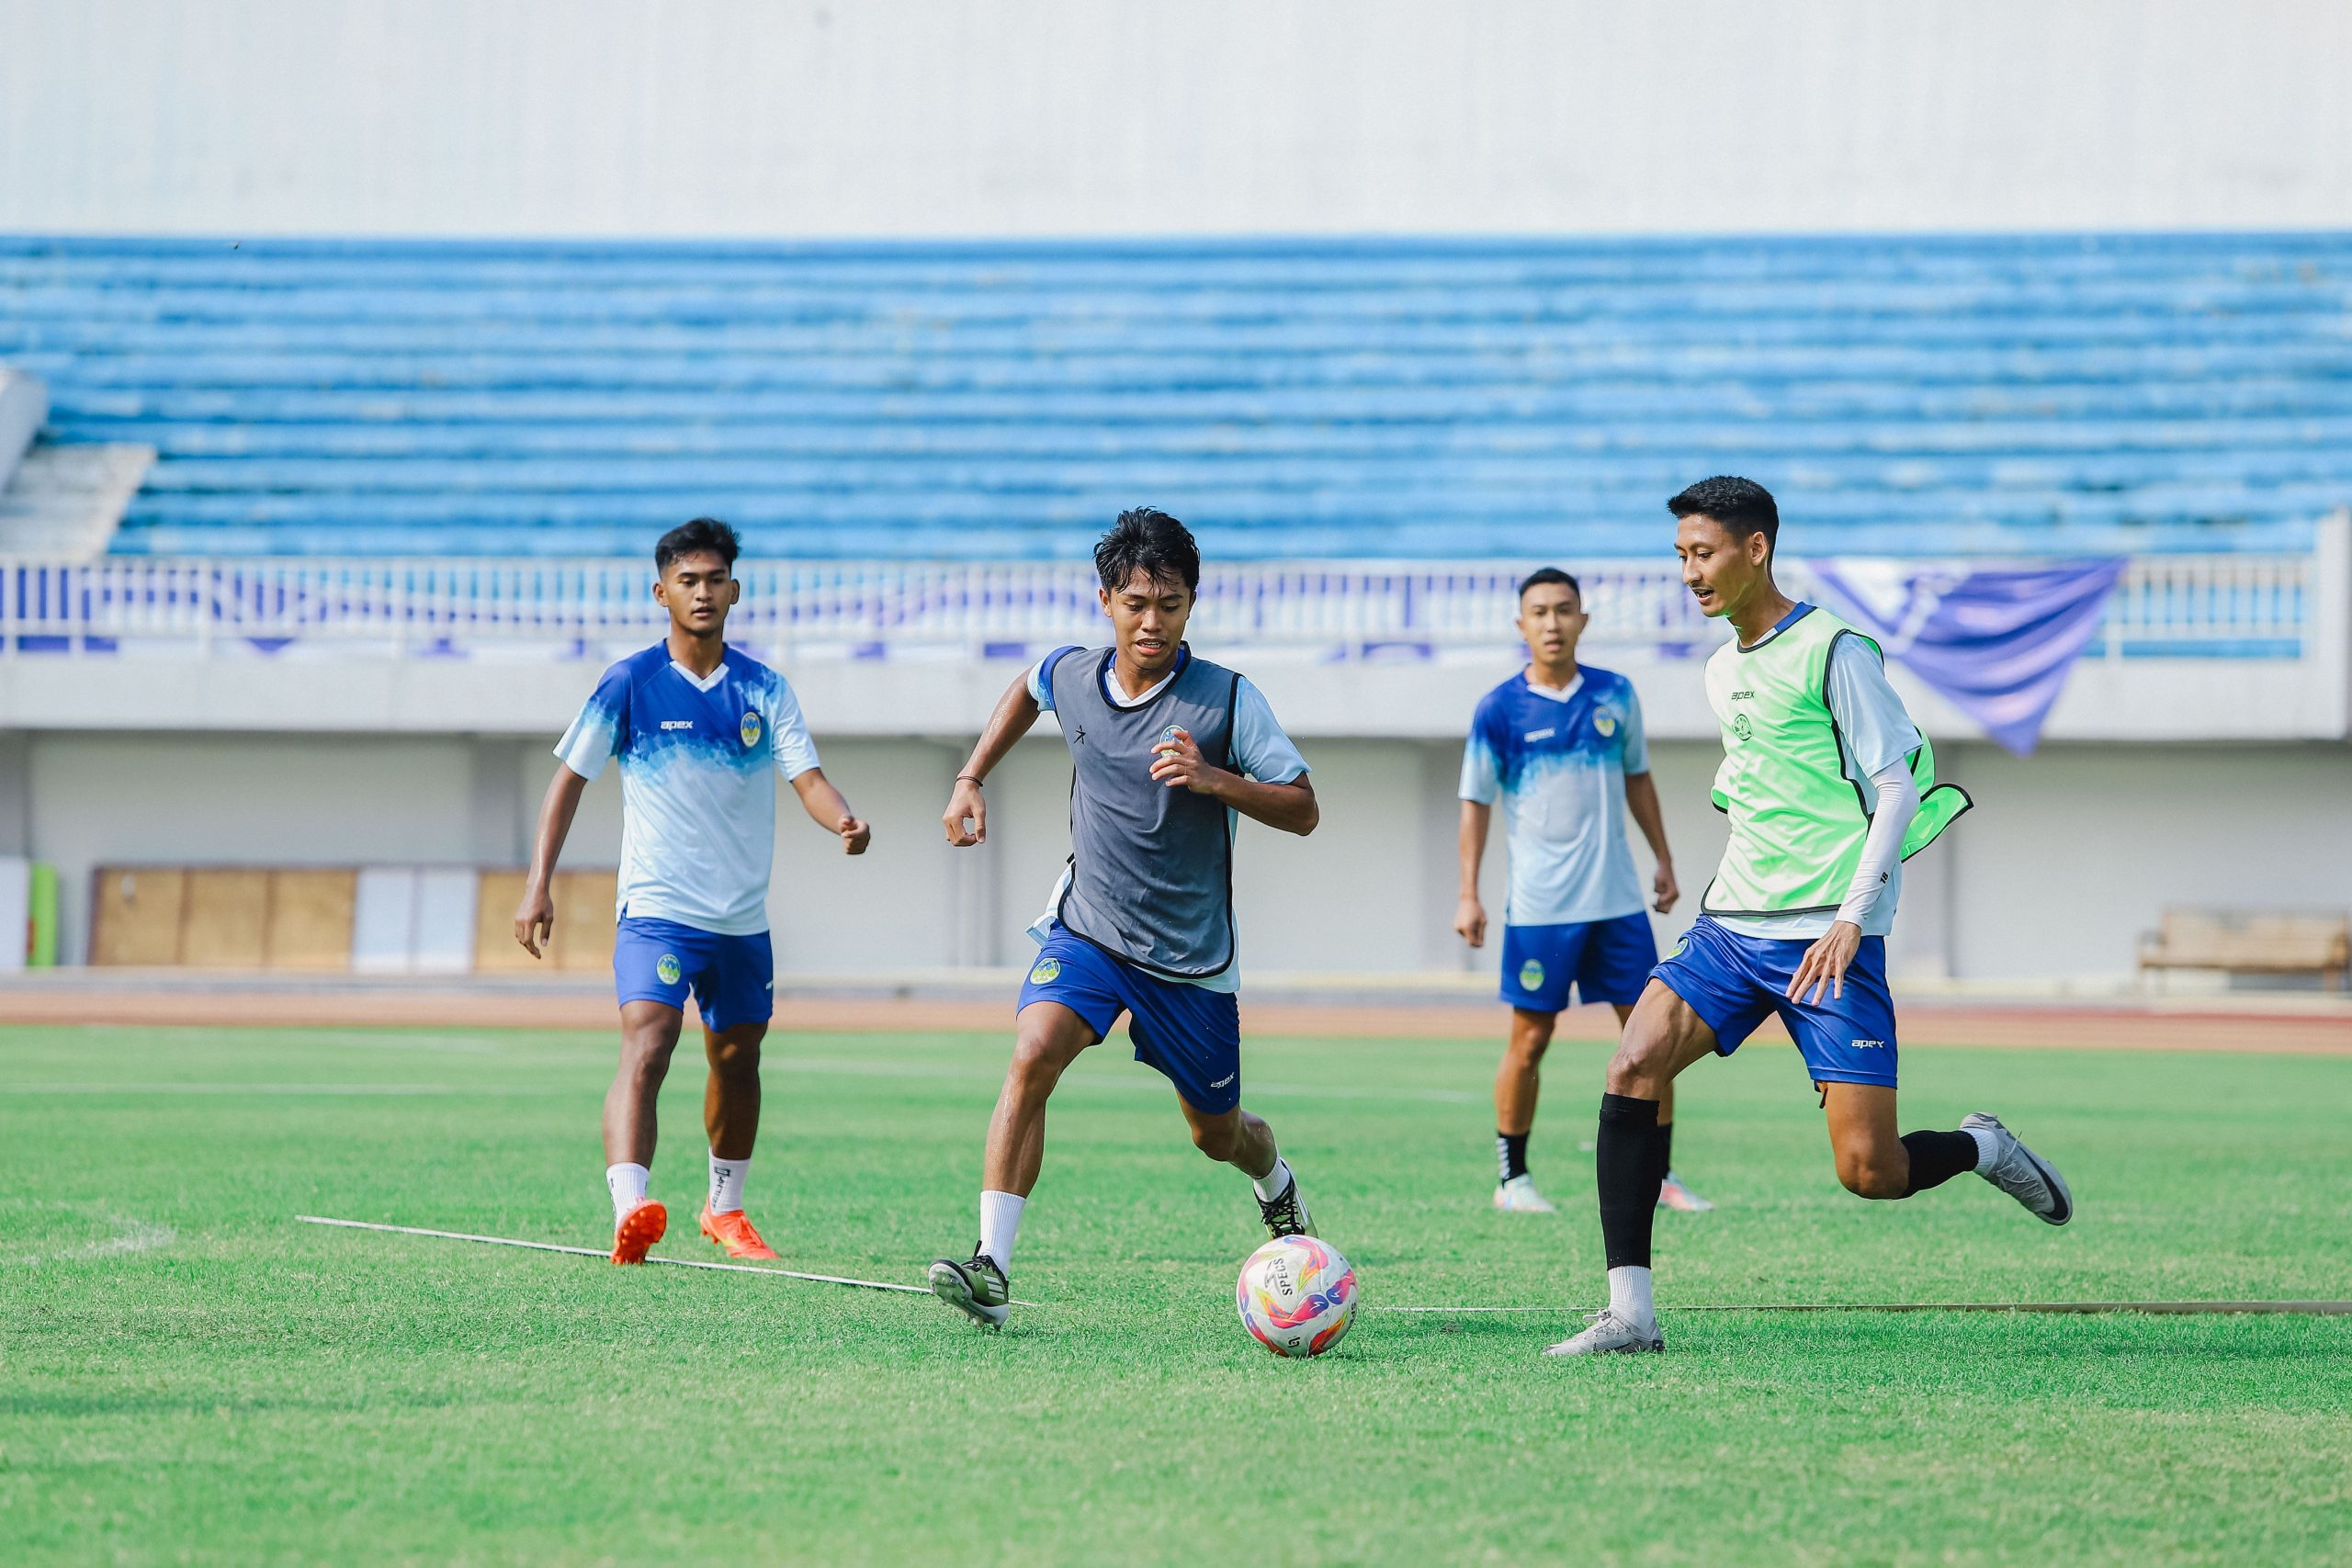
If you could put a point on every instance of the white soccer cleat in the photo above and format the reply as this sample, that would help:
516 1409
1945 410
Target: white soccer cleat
1518 1196
1672 1194
2022 1174
1609 1335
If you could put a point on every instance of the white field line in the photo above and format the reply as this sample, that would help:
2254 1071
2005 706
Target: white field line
2308 1309
593 1252
132 1234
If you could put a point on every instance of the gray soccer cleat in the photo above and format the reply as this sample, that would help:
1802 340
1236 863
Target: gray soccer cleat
2022 1174
1609 1335
978 1287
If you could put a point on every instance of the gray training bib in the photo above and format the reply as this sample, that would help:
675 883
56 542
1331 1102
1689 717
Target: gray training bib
1151 866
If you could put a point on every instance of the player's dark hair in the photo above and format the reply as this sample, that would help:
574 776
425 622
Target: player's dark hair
1146 539
1742 506
1545 575
703 536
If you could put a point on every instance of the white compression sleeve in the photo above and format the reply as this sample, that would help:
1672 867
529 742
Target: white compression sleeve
1898 802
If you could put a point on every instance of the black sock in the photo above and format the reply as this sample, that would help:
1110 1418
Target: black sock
1510 1149
1664 1150
1626 1169
1937 1158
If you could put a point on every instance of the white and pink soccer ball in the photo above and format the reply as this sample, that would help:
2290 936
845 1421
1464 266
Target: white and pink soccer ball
1296 1297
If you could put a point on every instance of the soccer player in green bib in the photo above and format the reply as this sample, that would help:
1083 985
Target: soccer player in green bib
1829 788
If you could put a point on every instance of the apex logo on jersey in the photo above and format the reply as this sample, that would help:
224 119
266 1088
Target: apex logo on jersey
666 967
1531 975
750 729
1048 970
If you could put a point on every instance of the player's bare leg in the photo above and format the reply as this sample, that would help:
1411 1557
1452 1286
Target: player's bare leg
1243 1140
1517 1082
649 1036
1661 1038
1048 1037
731 1115
1873 1161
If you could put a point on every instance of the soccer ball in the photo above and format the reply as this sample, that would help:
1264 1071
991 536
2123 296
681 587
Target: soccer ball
1296 1295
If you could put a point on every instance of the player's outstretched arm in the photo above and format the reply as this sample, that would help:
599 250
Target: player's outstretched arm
1640 799
1177 761
535 917
967 816
829 811
1469 914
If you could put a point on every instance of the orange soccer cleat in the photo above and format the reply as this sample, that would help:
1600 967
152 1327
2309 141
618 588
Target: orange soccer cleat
734 1231
638 1230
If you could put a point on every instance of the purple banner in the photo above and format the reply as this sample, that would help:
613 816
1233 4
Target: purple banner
1998 641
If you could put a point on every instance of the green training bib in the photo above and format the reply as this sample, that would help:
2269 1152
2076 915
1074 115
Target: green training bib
1797 821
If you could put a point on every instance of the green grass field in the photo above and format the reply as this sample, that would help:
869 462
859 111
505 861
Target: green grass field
189 1376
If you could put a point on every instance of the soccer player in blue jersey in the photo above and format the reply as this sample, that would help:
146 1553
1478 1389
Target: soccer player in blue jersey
1827 787
697 727
1166 750
1563 748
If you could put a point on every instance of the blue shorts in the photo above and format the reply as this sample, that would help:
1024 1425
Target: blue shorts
732 978
1608 961
1733 982
1191 1035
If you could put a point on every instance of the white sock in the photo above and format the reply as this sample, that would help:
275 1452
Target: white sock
1001 1225
1275 1183
629 1183
727 1183
1986 1146
1629 1296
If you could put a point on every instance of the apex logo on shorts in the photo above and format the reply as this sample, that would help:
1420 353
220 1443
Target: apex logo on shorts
1867 1044
1531 975
1048 970
750 729
666 967
1225 1080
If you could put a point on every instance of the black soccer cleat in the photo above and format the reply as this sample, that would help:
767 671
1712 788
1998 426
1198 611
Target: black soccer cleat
1286 1215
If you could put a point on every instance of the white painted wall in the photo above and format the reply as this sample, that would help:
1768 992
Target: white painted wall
1062 116
2068 857
238 800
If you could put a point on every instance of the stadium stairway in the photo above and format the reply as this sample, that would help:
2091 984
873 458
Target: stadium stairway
1410 398
57 503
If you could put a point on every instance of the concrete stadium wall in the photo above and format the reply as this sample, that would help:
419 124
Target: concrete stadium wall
2069 856
1062 116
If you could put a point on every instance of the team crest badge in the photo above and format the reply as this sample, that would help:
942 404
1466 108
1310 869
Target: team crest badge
666 967
1606 723
1741 727
1048 970
1680 948
750 729
1531 975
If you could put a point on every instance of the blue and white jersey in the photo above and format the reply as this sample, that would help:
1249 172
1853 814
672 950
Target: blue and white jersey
1262 751
697 798
1558 762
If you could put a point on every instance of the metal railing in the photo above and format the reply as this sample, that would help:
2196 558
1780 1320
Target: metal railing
2223 605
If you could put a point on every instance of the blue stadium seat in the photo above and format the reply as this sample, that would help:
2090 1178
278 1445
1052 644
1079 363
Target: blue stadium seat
1369 399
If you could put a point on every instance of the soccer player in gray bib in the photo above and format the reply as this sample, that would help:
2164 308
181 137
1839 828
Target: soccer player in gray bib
1166 750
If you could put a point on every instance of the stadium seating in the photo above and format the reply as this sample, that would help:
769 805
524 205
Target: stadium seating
1361 399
